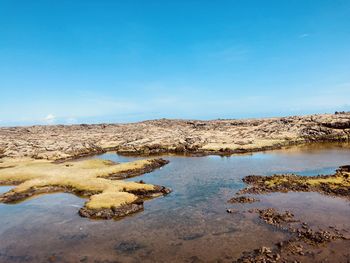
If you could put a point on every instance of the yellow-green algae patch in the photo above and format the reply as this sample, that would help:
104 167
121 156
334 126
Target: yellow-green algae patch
92 178
337 184
337 180
110 199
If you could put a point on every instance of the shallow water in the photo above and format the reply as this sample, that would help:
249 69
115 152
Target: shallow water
189 225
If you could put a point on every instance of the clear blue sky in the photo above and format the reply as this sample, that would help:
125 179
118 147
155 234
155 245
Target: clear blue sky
119 61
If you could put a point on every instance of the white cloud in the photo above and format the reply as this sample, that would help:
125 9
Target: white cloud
50 118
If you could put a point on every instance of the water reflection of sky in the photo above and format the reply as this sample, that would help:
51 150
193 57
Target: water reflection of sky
4 189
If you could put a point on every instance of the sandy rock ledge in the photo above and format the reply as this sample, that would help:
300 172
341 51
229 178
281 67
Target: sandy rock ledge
62 142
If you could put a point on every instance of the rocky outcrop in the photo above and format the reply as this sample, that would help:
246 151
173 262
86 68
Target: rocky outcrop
337 184
150 167
111 213
97 180
172 136
243 200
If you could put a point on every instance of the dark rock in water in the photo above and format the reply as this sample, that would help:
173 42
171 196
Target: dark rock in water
230 211
260 255
193 236
337 184
300 234
128 247
84 259
272 217
114 212
243 199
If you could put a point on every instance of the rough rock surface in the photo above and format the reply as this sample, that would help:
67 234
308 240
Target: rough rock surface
298 248
337 184
243 199
181 136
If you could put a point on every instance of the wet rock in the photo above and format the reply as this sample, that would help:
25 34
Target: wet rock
300 233
337 184
193 236
128 247
243 199
261 255
154 164
13 196
272 217
74 237
112 213
84 259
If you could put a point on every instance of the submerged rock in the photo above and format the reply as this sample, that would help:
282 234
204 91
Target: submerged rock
302 239
243 199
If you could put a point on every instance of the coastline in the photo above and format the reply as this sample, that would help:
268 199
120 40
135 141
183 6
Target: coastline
217 137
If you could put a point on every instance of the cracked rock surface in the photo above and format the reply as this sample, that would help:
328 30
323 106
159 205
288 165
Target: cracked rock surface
57 142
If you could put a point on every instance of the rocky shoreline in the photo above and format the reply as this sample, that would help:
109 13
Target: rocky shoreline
337 184
64 142
155 164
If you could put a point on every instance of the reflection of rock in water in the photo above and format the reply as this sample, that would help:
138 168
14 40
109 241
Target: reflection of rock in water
128 247
230 230
9 257
192 236
75 237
